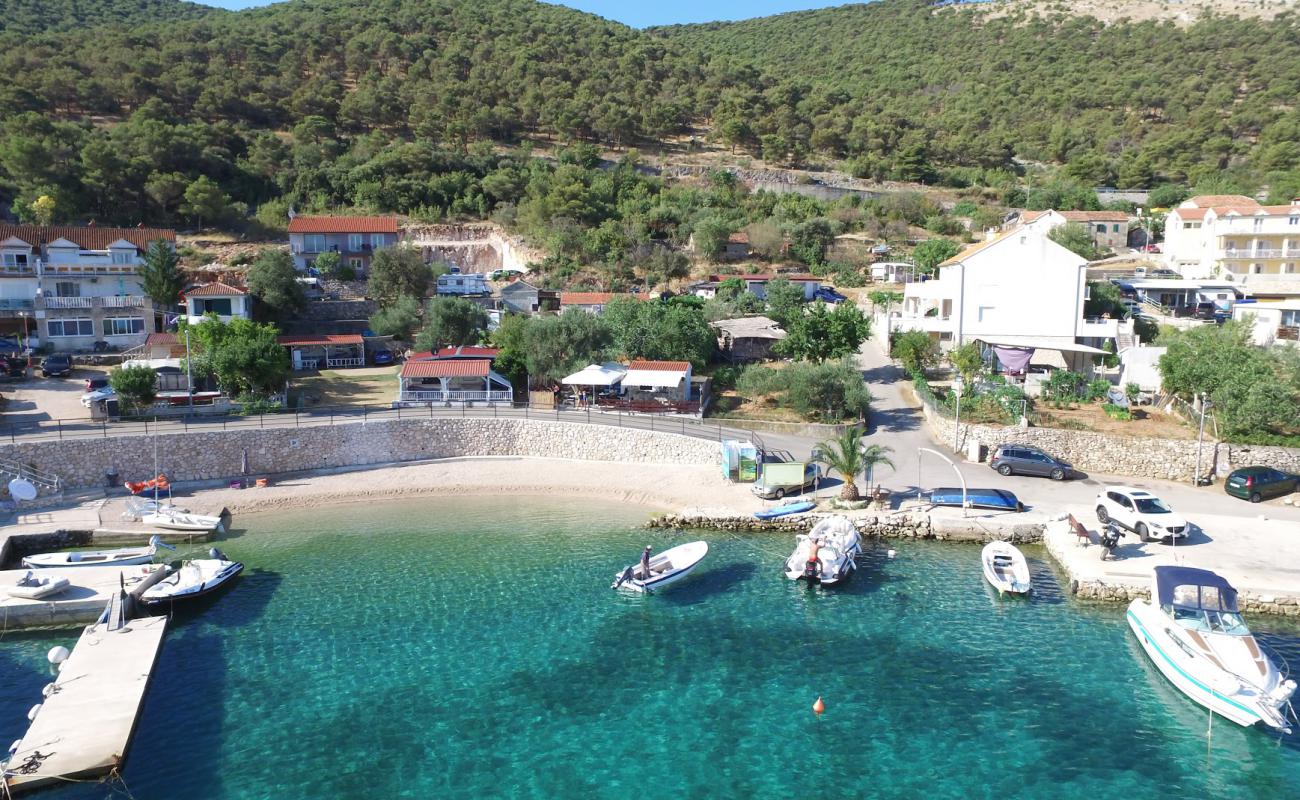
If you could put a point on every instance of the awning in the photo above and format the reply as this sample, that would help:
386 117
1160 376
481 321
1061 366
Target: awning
596 375
1034 343
656 378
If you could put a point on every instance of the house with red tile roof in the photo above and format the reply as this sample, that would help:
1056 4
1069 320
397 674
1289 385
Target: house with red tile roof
355 239
1109 229
225 301
324 351
447 381
593 302
70 287
1235 238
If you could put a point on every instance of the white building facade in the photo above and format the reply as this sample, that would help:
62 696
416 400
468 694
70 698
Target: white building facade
1018 288
72 287
1234 238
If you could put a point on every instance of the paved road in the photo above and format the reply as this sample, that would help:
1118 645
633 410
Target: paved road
898 424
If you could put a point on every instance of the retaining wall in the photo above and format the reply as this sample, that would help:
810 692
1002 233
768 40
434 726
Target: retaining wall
216 455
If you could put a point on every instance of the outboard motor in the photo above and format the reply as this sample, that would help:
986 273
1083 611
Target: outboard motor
1110 540
217 554
627 575
812 568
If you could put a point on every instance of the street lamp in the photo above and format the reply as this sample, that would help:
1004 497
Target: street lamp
1206 405
957 387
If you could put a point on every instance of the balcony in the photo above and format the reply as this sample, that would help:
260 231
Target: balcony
1261 253
122 301
15 307
17 270
454 396
928 324
1096 327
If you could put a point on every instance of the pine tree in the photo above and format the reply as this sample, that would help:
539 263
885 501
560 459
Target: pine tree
161 276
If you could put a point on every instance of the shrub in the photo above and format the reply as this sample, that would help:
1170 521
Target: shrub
828 391
915 350
136 386
1116 412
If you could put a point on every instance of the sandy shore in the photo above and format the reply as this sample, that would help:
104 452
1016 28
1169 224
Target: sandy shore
660 487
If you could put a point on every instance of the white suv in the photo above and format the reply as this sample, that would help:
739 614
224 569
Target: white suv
1141 512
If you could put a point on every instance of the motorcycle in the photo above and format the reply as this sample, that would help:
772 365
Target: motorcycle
1110 540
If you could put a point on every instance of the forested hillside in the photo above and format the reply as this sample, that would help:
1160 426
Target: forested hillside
397 105
952 87
34 16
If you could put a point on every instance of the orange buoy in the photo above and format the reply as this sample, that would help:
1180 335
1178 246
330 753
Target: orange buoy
819 706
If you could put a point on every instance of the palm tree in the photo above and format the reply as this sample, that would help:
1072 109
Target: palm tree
844 455
875 455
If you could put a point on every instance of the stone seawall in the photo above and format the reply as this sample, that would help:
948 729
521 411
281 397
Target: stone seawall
217 455
897 525
1140 457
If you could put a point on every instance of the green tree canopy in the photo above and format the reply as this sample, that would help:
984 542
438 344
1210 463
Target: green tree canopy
785 301
660 331
161 276
244 356
399 319
273 281
1077 239
916 350
136 385
451 322
929 254
556 346
818 335
400 272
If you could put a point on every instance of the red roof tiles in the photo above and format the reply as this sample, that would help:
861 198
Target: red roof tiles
320 339
594 298
343 225
88 237
217 289
447 368
661 366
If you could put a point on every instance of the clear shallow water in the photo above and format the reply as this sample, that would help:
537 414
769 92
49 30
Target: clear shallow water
470 647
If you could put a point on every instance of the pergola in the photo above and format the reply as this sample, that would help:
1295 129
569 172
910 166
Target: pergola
330 349
453 381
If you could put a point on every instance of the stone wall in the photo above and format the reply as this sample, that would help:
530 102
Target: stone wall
1136 456
217 455
888 525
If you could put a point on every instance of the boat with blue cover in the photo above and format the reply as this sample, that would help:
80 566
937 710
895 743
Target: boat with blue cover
797 507
993 499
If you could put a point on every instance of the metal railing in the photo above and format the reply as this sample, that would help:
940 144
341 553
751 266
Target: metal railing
111 301
58 430
455 396
36 477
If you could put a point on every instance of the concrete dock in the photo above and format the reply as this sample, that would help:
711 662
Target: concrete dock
84 727
82 602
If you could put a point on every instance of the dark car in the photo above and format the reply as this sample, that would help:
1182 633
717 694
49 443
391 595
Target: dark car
1260 483
1021 459
382 357
57 365
827 294
15 367
95 384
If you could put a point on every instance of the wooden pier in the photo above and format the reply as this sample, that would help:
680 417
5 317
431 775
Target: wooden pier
84 726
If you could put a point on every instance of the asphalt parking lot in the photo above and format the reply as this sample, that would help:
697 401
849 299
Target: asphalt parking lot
38 399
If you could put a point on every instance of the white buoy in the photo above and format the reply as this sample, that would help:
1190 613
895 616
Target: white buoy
891 553
31 715
49 689
58 655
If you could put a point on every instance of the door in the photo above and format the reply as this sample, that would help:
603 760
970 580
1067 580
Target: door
1127 513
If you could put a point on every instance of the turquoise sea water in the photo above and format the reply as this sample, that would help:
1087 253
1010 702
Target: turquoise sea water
471 647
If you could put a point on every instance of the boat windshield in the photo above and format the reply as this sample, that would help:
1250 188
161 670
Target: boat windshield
1152 505
1200 620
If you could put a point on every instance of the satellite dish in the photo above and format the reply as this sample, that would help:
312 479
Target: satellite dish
20 489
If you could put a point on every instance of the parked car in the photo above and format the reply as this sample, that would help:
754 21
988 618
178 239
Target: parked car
772 485
90 398
1151 248
1141 512
827 294
57 365
382 357
1165 273
96 383
1260 483
1021 459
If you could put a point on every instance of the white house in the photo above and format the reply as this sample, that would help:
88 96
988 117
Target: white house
70 287
1015 290
1275 322
227 302
1234 238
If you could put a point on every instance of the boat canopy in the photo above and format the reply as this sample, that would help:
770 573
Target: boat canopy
1194 589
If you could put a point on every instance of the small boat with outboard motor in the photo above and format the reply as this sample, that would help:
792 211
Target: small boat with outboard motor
665 569
35 587
1005 568
194 578
1192 631
125 556
825 554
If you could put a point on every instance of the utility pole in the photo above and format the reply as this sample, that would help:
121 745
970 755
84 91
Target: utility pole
189 372
957 387
1200 437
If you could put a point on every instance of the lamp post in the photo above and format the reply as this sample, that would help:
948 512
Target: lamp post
1206 405
957 387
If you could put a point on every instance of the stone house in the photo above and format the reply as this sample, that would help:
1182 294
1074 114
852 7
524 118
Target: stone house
1109 229
747 338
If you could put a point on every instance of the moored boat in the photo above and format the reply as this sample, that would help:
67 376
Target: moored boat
194 578
991 499
826 554
1192 631
796 507
35 587
666 568
1005 568
177 520
125 556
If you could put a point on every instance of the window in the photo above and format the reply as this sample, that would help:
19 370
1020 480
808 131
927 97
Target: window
123 257
67 289
72 327
215 305
376 240
314 243
355 240
123 326
1293 221
1259 224
1258 269
1114 228
1101 227
355 263
986 313
15 259
1289 268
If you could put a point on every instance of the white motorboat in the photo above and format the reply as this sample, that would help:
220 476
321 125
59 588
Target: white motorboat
34 587
137 507
666 568
825 554
175 519
97 558
1005 568
1193 632
194 578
